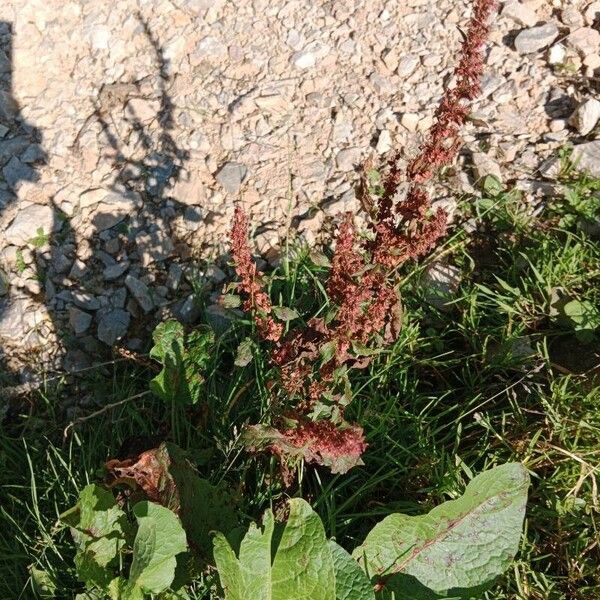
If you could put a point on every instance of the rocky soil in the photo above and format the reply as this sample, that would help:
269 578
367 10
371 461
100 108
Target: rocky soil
129 130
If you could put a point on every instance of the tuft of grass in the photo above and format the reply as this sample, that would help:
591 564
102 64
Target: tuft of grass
500 373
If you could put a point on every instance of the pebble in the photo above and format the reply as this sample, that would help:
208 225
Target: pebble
154 247
112 325
522 14
16 172
584 40
407 65
29 222
115 271
347 159
483 165
557 54
586 158
586 116
140 292
384 142
231 175
79 320
410 121
535 38
304 60
85 300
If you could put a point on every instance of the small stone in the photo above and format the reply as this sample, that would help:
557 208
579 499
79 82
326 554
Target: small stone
586 116
190 187
557 54
586 158
407 65
16 172
550 168
381 84
347 159
584 40
114 208
30 222
174 276
32 286
535 38
19 321
410 121
189 310
384 143
215 274
231 175
118 298
520 13
79 320
112 325
33 154
218 318
571 17
85 300
92 197
304 59
483 166
140 292
78 270
441 283
115 271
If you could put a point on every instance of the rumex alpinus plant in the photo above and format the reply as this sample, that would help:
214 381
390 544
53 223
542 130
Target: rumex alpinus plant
313 361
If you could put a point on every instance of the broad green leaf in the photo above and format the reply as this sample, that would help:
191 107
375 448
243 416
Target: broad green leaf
230 301
460 545
183 358
492 185
160 538
285 314
351 582
299 567
99 529
244 353
167 336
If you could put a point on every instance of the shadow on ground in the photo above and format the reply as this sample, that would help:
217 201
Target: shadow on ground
73 286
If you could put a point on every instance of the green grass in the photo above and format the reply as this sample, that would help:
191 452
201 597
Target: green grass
503 373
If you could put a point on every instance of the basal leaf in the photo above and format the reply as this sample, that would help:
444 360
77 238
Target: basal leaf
99 529
292 563
160 538
183 359
166 477
166 337
351 582
460 545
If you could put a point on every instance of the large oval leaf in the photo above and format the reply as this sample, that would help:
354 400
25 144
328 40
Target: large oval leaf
289 562
455 549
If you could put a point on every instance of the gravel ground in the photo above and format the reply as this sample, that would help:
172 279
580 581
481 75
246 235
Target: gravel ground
128 131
